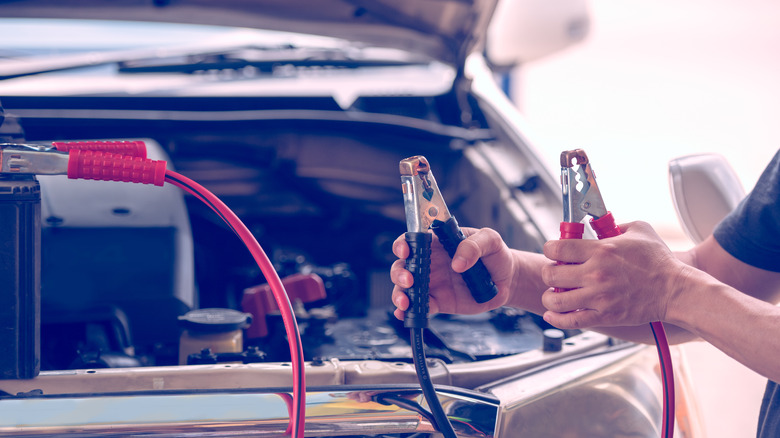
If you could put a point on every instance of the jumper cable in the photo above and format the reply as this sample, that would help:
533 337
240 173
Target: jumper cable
425 212
127 162
582 198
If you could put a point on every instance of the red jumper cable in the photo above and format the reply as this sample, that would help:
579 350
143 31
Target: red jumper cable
582 198
127 162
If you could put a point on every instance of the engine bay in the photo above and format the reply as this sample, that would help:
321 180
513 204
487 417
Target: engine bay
121 265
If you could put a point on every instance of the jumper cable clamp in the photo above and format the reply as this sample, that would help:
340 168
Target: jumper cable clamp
426 211
124 161
581 199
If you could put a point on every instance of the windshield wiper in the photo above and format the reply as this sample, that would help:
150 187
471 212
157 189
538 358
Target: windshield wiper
270 60
196 59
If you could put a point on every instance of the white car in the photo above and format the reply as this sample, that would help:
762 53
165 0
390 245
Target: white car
296 114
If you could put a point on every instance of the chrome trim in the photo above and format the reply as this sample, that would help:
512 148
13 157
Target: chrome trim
338 411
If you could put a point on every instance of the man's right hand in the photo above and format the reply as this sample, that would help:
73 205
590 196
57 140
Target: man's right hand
448 291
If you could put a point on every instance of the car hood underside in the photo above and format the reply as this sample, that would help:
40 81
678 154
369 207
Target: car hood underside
447 30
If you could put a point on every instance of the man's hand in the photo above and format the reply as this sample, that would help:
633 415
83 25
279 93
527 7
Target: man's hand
625 280
448 291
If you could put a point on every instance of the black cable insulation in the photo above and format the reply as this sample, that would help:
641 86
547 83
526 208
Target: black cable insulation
443 424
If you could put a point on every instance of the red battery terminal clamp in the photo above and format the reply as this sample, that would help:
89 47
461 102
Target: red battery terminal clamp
95 160
582 198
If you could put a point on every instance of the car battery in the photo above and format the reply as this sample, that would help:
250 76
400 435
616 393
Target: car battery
20 267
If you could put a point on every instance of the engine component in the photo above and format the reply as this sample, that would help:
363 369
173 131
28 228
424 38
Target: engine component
20 270
217 330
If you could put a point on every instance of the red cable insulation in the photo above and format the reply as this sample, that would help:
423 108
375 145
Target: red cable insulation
106 166
277 288
288 401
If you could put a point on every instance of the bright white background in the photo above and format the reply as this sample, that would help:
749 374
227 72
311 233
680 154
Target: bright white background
655 80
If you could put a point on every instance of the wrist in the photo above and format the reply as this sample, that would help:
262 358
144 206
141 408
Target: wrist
527 285
686 293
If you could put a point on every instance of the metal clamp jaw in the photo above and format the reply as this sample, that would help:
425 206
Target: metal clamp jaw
581 194
25 159
423 203
582 198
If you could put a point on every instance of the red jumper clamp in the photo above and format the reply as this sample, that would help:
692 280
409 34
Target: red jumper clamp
95 160
582 198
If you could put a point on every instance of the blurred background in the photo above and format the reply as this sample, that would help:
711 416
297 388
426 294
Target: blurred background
652 81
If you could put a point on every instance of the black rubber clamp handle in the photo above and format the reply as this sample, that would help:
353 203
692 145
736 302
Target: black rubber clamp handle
477 277
419 264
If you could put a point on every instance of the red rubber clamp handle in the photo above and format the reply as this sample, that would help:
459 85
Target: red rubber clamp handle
605 226
572 230
130 148
111 167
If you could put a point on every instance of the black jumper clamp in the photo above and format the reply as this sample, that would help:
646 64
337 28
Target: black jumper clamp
426 211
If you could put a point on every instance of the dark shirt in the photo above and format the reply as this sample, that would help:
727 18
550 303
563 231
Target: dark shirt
751 233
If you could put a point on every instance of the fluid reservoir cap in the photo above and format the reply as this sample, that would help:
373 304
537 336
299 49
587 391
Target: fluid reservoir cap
215 320
553 340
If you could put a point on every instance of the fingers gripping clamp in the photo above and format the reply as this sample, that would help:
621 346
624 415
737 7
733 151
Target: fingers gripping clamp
426 211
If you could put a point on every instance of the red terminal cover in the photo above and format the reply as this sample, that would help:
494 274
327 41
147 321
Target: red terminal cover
103 166
259 300
130 148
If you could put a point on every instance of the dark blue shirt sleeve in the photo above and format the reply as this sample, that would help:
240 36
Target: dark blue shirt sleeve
751 233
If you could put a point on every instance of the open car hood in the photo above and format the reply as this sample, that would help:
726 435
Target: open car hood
447 30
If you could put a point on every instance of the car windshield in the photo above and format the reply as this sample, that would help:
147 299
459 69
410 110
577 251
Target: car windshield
176 59
140 47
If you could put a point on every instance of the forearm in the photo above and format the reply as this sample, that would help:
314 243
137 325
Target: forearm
744 327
